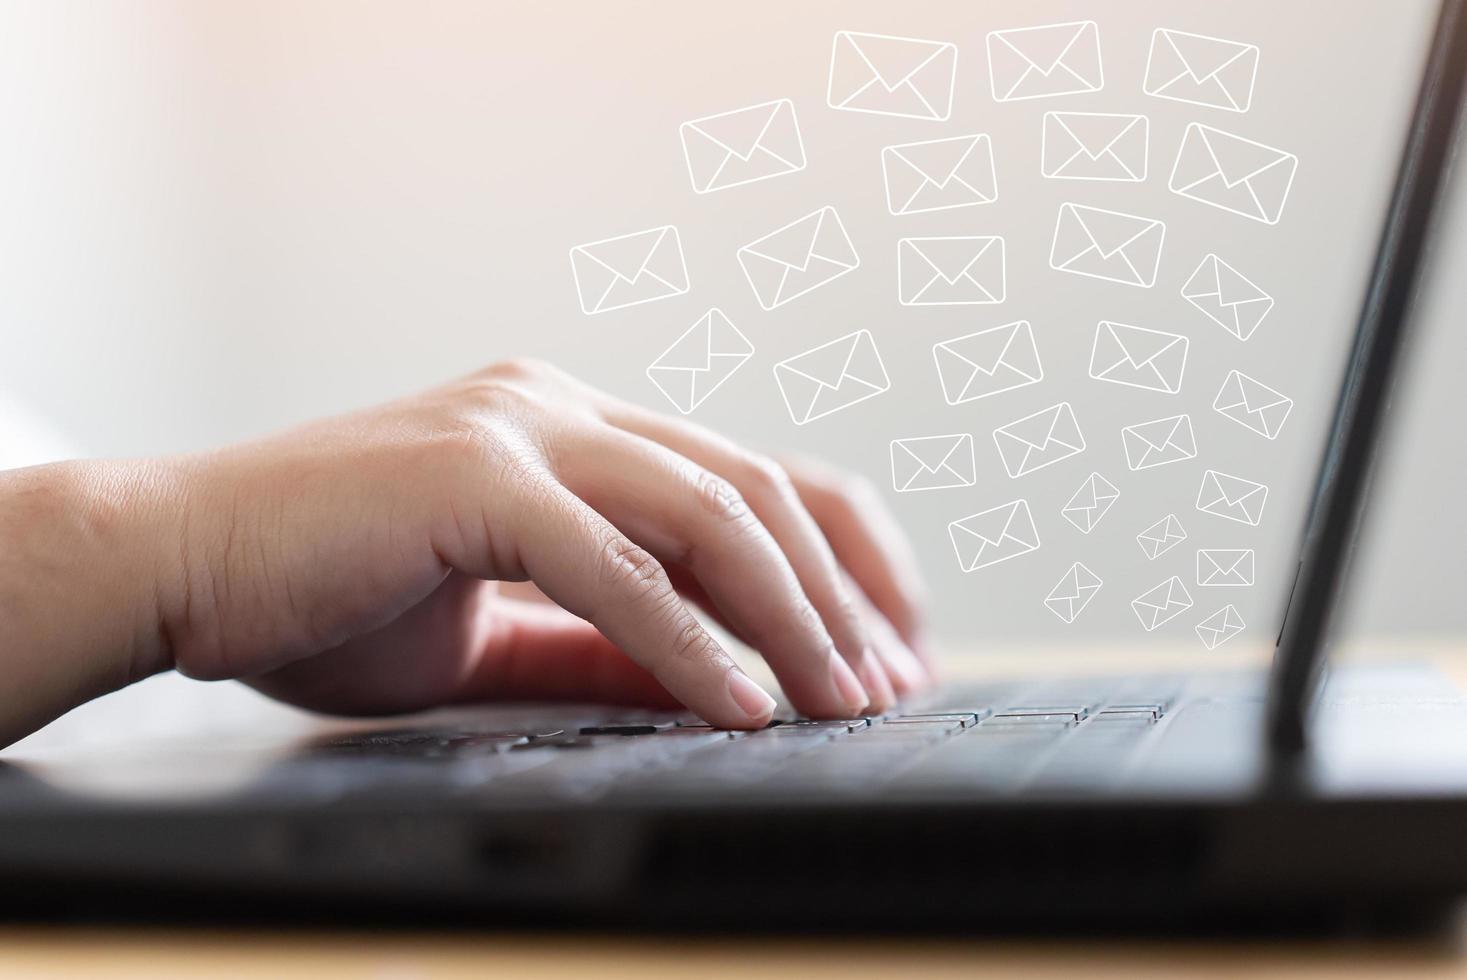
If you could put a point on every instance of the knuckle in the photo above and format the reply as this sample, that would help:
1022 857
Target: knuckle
719 499
516 369
692 645
629 568
767 478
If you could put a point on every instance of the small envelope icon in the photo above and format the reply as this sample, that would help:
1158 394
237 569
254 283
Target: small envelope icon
629 270
1233 173
1068 599
950 271
1161 537
1202 70
831 377
1094 146
1090 503
1232 497
1220 627
803 255
1053 59
1159 442
994 535
704 357
1039 440
1225 566
1123 248
1138 357
937 175
933 463
743 146
1167 601
1222 292
892 76
985 363
1253 404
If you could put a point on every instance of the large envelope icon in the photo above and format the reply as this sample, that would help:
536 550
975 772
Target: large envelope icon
1225 566
704 357
743 146
1138 357
994 535
1068 599
1094 146
1110 245
1053 59
1220 627
950 271
1253 404
1233 173
1202 70
936 175
933 463
630 269
1228 298
892 76
1161 537
1232 497
1159 442
1167 601
1090 503
803 255
831 377
988 362
1039 440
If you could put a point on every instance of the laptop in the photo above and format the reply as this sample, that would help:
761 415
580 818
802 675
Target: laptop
1295 793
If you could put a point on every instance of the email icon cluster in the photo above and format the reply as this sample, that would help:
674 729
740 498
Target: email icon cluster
938 175
1159 442
1073 593
953 271
1090 503
988 362
1094 146
743 146
1220 627
1138 357
1039 440
1227 297
933 463
1038 62
892 76
1161 537
629 270
1201 70
831 377
1233 173
1225 566
1109 245
1232 498
1162 604
994 535
802 256
700 361
1253 405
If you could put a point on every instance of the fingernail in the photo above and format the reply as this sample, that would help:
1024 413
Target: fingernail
851 693
908 667
873 677
752 699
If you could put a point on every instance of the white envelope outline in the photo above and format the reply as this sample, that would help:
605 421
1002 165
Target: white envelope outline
1043 61
994 535
1227 297
939 175
803 255
951 271
696 364
1159 442
1112 146
1232 497
933 463
1161 537
1235 174
1039 440
892 76
1230 567
743 146
1090 503
833 376
1109 245
629 270
1138 357
987 362
1253 404
1220 627
1161 604
1073 592
1201 70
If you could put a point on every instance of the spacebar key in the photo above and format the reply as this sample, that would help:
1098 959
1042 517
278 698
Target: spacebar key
993 760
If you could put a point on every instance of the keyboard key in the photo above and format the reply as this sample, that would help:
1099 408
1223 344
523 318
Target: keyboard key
1075 711
966 719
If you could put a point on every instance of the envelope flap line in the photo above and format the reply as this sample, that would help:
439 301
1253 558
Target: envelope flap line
1205 57
740 132
1043 48
894 60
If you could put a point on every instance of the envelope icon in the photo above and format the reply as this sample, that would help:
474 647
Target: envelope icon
937 175
1094 146
1220 627
1109 245
994 535
988 362
698 362
1090 503
1159 442
950 271
629 270
803 255
1161 537
1035 62
933 463
1225 566
1138 357
743 146
1201 70
1229 299
892 76
1039 440
1165 602
1253 404
831 377
1232 497
1068 599
1233 173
